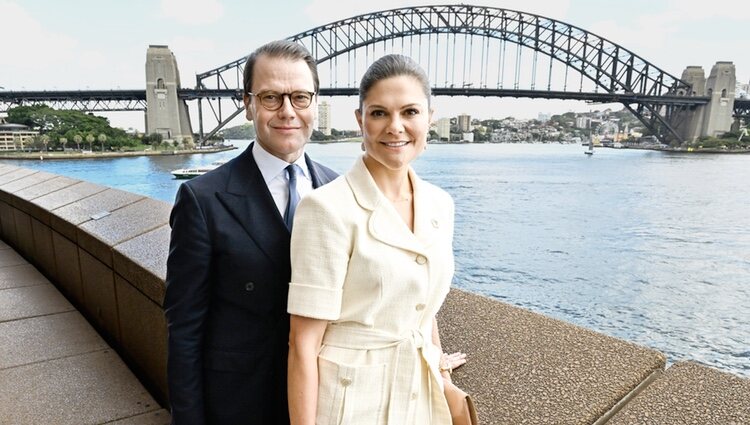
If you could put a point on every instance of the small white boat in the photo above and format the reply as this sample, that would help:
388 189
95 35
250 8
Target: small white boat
591 149
189 173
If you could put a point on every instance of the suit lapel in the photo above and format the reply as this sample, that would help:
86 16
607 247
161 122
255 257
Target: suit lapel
318 176
250 203
385 224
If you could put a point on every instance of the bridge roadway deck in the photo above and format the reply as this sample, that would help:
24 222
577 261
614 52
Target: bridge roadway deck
106 250
54 367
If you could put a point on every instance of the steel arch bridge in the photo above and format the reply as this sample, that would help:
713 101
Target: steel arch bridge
466 51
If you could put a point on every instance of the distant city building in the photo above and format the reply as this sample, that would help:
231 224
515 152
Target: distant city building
742 90
444 128
583 122
464 123
468 137
543 117
324 118
9 133
608 128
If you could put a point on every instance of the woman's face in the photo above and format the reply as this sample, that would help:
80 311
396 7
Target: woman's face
395 121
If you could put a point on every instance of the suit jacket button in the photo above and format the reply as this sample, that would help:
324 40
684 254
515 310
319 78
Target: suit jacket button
420 259
249 286
346 381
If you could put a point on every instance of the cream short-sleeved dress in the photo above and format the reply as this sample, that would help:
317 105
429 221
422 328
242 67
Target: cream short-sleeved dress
356 264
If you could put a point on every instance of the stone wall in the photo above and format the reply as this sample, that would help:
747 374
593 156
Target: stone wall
106 251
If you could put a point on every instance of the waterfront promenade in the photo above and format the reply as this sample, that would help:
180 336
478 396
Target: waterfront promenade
79 155
105 251
54 367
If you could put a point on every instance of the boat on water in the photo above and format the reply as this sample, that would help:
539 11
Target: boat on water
590 151
189 173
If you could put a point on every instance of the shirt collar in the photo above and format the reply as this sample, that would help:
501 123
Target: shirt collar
271 166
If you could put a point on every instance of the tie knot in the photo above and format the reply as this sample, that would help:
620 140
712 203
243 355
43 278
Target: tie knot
293 170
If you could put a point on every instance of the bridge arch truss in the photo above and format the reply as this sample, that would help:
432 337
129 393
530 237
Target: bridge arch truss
483 51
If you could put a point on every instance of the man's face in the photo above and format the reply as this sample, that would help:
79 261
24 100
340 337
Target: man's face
283 132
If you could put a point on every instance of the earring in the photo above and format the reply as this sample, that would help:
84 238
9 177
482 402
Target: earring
362 146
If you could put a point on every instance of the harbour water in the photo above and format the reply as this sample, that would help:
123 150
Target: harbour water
651 247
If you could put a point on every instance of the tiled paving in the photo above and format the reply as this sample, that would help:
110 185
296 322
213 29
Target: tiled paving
54 367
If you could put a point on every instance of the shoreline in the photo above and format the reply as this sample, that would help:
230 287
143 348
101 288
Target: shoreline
680 150
39 156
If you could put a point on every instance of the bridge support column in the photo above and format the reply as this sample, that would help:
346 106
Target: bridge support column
690 122
166 113
720 86
714 118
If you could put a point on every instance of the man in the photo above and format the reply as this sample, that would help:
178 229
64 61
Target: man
228 268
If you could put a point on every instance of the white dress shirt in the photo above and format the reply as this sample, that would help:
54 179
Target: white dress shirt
274 173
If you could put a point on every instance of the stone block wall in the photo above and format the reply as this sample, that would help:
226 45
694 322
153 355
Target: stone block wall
106 251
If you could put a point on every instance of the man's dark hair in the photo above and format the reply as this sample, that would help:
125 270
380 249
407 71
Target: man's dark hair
279 49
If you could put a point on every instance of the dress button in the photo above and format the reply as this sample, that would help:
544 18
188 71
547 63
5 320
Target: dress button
419 307
346 382
435 223
414 396
420 259
249 286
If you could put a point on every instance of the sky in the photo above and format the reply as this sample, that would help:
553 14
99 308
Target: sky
101 44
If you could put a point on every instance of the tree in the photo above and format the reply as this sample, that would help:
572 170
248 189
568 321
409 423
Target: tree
18 142
188 143
63 141
78 139
90 140
102 138
153 139
45 141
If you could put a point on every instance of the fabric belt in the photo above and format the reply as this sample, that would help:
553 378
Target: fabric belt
404 369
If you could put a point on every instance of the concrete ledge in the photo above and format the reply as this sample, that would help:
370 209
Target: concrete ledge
26 181
527 368
688 393
6 182
66 220
98 236
74 192
142 261
24 198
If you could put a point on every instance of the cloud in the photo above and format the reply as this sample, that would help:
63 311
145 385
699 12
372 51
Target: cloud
193 12
325 11
25 38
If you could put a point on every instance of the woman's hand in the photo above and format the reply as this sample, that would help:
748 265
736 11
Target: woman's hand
450 362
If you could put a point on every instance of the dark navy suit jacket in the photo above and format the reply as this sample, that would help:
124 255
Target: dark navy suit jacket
228 273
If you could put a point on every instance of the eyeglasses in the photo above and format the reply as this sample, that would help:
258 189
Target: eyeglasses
273 100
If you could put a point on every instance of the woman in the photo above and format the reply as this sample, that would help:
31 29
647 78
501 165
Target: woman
372 262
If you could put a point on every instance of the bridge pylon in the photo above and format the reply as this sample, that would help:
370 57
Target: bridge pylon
720 87
166 113
715 117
